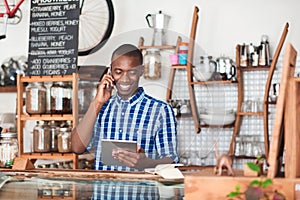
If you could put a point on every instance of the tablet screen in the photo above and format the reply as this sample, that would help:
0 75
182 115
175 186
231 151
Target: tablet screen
108 145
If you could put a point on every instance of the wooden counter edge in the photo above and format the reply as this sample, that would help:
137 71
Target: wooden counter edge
217 187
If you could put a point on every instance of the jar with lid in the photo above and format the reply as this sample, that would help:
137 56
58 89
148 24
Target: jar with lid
86 93
8 149
64 140
41 137
54 130
61 98
36 98
152 62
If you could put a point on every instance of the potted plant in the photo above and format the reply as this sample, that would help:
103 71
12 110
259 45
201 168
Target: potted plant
257 189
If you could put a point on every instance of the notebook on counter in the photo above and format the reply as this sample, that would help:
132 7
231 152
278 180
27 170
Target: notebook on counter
108 145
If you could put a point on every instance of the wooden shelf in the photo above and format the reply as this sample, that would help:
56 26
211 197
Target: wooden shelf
55 198
251 68
47 117
29 79
246 157
141 46
157 47
250 113
8 89
178 67
217 126
212 82
49 155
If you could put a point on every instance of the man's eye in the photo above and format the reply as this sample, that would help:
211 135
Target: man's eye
132 72
118 72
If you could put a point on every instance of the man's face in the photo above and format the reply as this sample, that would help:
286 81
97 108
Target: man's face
126 72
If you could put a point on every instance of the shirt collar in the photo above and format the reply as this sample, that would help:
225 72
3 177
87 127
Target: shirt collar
132 100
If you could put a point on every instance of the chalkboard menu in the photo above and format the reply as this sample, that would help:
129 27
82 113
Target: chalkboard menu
53 39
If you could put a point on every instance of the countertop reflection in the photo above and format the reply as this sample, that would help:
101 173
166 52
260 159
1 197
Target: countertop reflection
64 186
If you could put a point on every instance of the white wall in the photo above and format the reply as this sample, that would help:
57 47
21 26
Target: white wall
222 25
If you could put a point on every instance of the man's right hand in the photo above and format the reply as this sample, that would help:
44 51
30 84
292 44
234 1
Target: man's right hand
104 90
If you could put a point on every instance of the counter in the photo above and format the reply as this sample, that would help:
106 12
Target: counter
208 186
86 184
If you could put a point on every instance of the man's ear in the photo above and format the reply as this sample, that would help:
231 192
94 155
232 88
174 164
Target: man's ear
142 70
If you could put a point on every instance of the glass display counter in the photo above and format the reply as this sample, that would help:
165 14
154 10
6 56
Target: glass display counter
109 185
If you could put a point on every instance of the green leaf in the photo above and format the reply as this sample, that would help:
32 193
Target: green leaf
255 182
237 188
253 167
266 183
233 194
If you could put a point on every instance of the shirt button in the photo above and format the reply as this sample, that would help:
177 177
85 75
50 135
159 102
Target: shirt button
122 113
120 130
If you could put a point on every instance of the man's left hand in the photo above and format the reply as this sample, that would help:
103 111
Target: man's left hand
129 158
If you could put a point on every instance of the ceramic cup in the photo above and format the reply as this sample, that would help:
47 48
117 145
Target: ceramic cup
182 58
174 59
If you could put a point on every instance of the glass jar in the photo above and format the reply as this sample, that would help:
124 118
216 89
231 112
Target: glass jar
64 140
41 138
86 93
54 130
8 149
36 98
61 98
152 62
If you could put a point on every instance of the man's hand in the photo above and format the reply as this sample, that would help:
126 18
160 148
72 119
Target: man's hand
131 159
104 89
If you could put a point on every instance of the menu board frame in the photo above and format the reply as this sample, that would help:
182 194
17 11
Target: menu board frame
53 37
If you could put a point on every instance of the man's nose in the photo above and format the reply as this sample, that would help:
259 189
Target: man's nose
124 78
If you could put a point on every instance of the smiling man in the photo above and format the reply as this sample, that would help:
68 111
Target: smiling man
131 115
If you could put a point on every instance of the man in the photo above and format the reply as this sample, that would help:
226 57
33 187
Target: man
129 115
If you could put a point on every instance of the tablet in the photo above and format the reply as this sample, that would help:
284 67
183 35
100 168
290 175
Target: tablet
108 145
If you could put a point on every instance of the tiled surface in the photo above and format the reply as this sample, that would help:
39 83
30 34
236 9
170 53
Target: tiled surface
199 147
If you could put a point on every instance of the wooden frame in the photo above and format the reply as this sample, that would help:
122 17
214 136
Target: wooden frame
22 117
283 111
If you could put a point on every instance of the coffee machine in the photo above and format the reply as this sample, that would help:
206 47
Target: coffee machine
159 22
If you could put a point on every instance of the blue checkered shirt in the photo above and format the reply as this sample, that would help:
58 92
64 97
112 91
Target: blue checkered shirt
112 190
141 118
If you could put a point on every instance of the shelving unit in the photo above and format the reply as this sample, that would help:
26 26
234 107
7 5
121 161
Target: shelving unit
189 69
23 117
239 114
285 135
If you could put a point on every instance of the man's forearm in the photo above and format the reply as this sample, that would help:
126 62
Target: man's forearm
82 133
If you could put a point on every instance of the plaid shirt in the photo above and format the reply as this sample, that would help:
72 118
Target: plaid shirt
141 118
111 190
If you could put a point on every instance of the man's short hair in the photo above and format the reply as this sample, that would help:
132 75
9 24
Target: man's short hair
127 50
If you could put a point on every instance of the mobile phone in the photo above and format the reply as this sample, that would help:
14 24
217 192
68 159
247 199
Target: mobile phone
110 73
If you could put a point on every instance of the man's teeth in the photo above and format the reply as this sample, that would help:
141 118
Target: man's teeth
124 86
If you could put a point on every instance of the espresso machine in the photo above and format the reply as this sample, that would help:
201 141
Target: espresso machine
159 22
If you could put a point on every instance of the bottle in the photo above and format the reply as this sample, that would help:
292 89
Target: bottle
264 53
265 39
41 138
35 98
243 56
61 98
54 134
8 149
152 64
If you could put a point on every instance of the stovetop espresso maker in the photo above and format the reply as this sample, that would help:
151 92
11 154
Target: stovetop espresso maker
159 22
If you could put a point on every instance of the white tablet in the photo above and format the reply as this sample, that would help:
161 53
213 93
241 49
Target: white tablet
108 145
